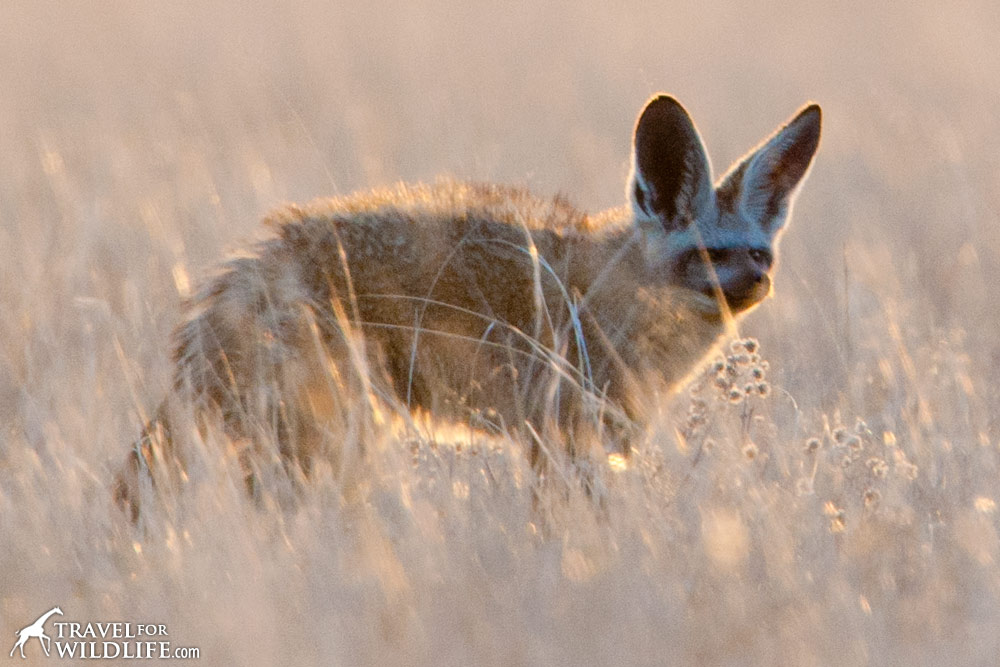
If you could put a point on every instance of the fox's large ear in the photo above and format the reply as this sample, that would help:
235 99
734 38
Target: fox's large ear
671 178
772 173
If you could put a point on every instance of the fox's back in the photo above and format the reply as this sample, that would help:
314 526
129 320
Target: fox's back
414 237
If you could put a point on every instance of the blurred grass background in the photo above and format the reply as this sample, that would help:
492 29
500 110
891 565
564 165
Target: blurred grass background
138 141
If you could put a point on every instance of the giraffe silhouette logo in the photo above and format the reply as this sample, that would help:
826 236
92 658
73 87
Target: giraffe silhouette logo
36 629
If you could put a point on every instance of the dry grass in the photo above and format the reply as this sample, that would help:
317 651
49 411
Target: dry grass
847 517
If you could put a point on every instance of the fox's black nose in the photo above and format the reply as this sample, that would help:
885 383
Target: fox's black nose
747 289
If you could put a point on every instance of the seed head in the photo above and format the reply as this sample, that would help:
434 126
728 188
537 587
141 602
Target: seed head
878 467
871 497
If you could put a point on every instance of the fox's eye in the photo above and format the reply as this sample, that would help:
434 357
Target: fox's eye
761 256
717 255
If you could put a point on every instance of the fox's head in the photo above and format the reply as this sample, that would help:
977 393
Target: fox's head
717 240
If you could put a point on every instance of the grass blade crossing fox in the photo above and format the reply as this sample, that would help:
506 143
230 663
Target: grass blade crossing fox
480 300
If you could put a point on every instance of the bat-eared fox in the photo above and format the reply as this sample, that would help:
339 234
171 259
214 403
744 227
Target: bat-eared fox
477 303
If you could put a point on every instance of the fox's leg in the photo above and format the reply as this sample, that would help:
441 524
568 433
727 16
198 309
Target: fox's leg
283 388
312 406
324 380
153 450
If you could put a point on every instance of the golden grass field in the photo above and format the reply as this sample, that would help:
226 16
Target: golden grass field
848 518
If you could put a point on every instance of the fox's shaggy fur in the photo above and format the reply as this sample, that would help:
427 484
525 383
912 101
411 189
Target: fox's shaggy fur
481 302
